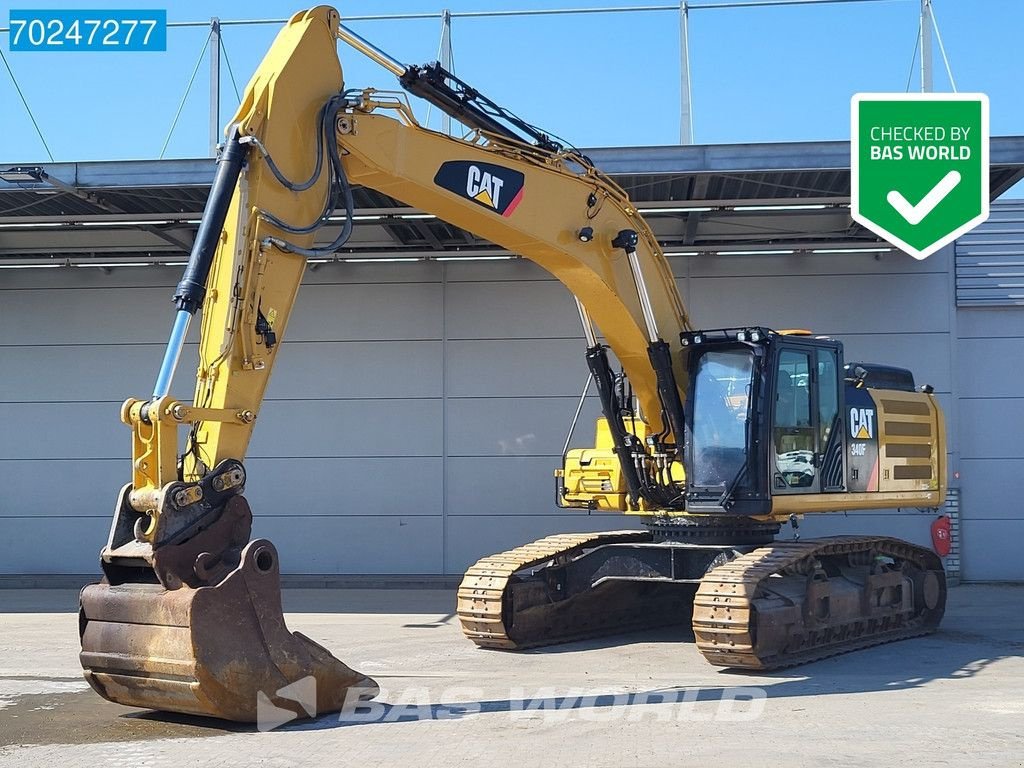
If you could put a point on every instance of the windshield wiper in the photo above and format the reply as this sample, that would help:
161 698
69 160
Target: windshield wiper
725 500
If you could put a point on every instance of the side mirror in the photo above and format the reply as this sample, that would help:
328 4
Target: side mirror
858 377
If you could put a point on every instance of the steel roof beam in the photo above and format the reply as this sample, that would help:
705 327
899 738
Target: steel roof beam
98 201
691 159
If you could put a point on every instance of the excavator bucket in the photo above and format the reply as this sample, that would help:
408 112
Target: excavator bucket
220 650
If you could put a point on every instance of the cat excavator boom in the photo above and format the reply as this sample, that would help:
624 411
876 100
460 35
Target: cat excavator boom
706 448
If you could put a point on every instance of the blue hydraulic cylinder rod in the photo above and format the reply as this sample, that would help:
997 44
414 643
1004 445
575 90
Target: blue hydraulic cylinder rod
189 294
163 380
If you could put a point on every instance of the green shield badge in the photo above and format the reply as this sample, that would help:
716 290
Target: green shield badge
919 166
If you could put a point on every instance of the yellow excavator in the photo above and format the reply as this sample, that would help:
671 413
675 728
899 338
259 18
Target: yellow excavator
713 438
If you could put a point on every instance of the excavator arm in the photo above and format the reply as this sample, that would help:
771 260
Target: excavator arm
185 592
552 207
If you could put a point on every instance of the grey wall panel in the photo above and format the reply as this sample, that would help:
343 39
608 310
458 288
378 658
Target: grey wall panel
120 315
912 526
354 273
494 271
533 426
76 373
68 488
396 486
31 545
989 354
856 304
927 355
325 428
991 429
948 404
509 485
357 369
977 323
378 369
516 367
470 538
991 551
366 372
367 312
394 544
510 310
87 316
79 278
991 367
63 431
991 490
799 265
306 544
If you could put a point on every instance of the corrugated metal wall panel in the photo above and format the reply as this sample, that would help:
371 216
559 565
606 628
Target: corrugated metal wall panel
990 260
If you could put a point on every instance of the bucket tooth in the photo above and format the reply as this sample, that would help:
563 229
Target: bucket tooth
221 650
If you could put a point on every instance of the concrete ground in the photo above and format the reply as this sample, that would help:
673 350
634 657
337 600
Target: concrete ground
644 699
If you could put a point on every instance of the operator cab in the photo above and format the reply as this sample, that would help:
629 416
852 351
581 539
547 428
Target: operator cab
762 418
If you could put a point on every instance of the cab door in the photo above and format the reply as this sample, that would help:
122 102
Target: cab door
806 438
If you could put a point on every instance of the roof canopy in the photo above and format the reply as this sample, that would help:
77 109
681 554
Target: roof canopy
724 198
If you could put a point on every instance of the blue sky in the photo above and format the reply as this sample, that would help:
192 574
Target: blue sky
758 74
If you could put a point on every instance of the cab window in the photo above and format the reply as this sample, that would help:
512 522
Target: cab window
793 432
720 411
828 394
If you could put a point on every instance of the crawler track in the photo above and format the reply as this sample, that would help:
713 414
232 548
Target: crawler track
770 608
780 605
500 609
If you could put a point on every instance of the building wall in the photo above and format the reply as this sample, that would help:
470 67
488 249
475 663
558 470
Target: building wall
990 352
418 410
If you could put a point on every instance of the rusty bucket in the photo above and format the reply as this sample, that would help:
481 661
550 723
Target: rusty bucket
221 650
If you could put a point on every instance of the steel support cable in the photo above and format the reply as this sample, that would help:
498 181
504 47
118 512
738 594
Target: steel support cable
449 59
184 98
481 14
28 109
440 57
533 12
913 59
231 72
576 418
942 50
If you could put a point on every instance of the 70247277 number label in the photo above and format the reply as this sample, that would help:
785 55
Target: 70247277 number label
88 30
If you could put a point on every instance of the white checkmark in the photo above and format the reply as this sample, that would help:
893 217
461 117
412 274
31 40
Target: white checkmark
916 213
